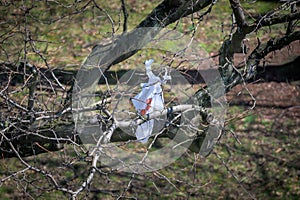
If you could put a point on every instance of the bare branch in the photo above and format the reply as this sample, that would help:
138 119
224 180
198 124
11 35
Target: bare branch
125 15
238 13
268 21
156 114
262 50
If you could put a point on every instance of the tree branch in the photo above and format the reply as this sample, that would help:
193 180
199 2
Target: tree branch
238 13
127 44
262 50
230 75
63 132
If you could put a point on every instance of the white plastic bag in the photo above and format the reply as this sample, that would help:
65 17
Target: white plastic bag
150 99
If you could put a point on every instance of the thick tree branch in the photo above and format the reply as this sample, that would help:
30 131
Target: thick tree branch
238 13
50 137
230 75
127 44
262 50
268 21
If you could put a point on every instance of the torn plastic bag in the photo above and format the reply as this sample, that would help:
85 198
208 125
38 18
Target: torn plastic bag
150 99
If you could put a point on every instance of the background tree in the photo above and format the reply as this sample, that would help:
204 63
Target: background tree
43 44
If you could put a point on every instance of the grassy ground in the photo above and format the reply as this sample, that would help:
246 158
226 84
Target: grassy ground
264 165
68 38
